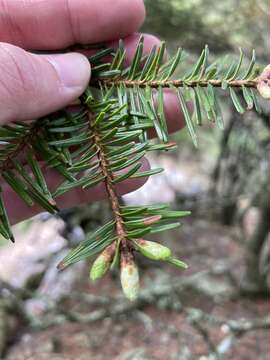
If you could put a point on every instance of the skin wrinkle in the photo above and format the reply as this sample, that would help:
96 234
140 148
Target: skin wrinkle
33 23
6 15
71 21
132 11
98 22
17 73
60 84
15 81
3 83
14 26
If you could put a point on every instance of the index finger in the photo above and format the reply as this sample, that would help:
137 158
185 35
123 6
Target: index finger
56 24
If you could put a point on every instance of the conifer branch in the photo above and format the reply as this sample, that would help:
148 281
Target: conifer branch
104 140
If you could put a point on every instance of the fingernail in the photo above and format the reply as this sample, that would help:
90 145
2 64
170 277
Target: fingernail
73 69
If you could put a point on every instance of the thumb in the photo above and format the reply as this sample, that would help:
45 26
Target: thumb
35 85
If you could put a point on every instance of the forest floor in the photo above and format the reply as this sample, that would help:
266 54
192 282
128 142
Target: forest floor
160 328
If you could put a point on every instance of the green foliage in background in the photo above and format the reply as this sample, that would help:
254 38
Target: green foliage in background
224 25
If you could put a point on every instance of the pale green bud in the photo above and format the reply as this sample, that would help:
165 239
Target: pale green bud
263 84
153 250
102 263
129 278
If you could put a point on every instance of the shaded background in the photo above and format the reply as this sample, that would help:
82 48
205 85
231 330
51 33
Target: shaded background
220 307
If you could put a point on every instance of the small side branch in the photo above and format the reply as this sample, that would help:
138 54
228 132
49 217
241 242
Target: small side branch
23 142
110 187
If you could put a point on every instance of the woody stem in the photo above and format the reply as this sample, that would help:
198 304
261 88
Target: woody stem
178 83
110 187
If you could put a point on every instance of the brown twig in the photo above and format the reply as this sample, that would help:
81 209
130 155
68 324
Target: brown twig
24 141
177 83
110 187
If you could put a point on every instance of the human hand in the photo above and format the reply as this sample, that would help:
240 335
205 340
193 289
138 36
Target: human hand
34 85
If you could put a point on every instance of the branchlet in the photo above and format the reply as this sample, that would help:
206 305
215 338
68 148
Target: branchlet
105 138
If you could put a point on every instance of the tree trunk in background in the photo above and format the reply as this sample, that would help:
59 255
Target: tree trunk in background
3 328
228 206
254 279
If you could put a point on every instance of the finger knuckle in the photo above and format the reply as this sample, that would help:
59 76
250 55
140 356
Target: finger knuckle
18 77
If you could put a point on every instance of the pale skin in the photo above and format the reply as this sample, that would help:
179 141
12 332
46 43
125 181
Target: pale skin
34 85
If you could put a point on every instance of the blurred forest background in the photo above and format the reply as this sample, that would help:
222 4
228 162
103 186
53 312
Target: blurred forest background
220 307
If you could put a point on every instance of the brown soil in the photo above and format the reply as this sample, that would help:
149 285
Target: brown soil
159 331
